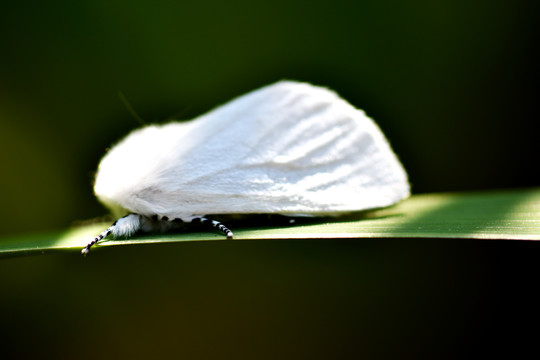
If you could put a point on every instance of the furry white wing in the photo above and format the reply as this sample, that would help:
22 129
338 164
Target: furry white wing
288 148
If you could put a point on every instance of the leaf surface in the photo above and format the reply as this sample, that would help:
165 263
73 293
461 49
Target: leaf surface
505 215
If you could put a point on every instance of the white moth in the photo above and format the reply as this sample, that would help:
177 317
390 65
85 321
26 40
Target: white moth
287 148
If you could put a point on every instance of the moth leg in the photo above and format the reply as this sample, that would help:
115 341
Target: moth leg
104 234
215 224
127 226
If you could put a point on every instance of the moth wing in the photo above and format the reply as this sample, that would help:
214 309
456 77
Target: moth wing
287 148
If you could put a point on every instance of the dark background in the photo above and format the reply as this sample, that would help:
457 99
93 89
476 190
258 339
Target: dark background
312 299
450 83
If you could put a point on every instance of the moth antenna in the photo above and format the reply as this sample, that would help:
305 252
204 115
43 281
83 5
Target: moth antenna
101 236
215 224
130 109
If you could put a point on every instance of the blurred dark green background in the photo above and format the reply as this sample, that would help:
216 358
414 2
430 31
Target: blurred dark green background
449 82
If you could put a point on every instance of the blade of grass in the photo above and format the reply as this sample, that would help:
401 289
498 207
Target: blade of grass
509 214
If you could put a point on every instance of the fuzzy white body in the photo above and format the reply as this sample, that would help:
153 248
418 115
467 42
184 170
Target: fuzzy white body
287 148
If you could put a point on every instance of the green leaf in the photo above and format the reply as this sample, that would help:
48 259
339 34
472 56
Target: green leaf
510 215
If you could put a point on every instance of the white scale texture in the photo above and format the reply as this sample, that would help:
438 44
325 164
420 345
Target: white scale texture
287 148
